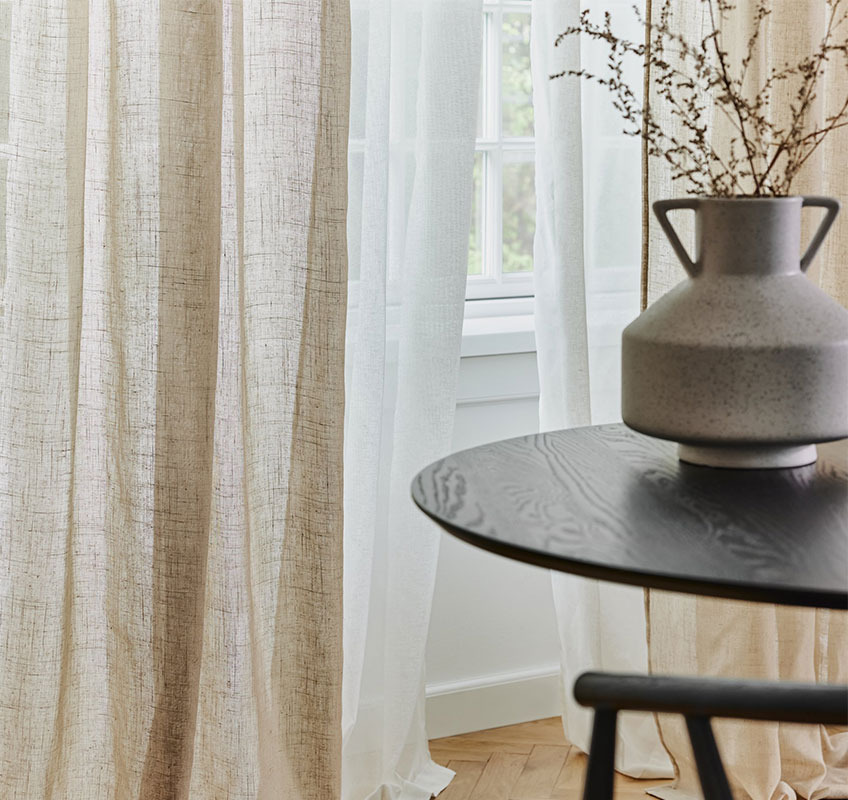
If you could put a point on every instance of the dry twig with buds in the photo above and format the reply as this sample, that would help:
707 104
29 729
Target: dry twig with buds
696 79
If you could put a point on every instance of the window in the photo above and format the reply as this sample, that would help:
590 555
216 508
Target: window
500 253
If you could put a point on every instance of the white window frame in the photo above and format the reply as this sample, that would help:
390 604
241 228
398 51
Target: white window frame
497 151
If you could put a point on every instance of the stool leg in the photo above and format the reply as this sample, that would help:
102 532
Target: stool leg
708 760
600 772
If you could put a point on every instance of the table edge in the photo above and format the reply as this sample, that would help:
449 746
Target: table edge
778 595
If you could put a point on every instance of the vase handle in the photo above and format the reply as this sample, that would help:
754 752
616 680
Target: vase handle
661 209
832 205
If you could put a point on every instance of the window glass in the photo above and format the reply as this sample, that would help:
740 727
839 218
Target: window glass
516 88
500 247
519 216
475 242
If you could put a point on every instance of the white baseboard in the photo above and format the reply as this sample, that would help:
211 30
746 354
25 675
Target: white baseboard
492 701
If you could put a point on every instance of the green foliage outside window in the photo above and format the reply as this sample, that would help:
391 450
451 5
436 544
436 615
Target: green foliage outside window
516 86
519 216
475 243
518 197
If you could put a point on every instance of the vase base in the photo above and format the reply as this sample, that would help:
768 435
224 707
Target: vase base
756 457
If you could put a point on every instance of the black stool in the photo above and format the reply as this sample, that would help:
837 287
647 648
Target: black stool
698 699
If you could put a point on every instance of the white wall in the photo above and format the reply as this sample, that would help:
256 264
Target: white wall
493 652
492 655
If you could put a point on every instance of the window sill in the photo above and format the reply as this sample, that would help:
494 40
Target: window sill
498 327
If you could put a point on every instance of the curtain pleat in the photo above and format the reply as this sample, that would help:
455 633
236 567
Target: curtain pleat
415 77
189 188
171 399
40 370
586 273
765 761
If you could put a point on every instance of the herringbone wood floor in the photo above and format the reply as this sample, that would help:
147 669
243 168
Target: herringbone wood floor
531 761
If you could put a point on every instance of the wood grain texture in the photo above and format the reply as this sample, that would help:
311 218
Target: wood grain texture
484 746
525 734
499 776
570 780
613 504
530 761
540 773
467 775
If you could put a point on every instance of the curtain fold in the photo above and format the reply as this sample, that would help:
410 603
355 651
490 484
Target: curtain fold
171 386
586 270
415 77
765 761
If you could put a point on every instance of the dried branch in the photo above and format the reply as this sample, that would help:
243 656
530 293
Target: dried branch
692 80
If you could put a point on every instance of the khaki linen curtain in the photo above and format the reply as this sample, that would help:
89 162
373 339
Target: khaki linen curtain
765 761
171 398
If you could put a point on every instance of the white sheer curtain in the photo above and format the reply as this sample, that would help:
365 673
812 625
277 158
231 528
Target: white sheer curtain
415 76
587 272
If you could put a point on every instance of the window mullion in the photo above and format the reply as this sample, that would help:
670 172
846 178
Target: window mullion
526 144
495 87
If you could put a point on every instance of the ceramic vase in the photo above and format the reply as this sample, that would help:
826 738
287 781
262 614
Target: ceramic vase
745 363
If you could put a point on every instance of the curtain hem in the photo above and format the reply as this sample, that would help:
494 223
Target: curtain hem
429 781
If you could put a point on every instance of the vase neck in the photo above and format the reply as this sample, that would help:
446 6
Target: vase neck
749 236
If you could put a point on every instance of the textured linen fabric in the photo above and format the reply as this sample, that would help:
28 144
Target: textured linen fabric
765 761
586 270
171 398
415 78
792 31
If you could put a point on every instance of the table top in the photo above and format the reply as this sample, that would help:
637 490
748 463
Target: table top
609 503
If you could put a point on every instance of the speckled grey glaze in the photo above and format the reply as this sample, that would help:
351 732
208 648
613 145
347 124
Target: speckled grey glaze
745 363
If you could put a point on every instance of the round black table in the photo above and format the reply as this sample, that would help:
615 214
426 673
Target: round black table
609 503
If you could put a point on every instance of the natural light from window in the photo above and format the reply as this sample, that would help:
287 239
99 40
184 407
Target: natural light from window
500 252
